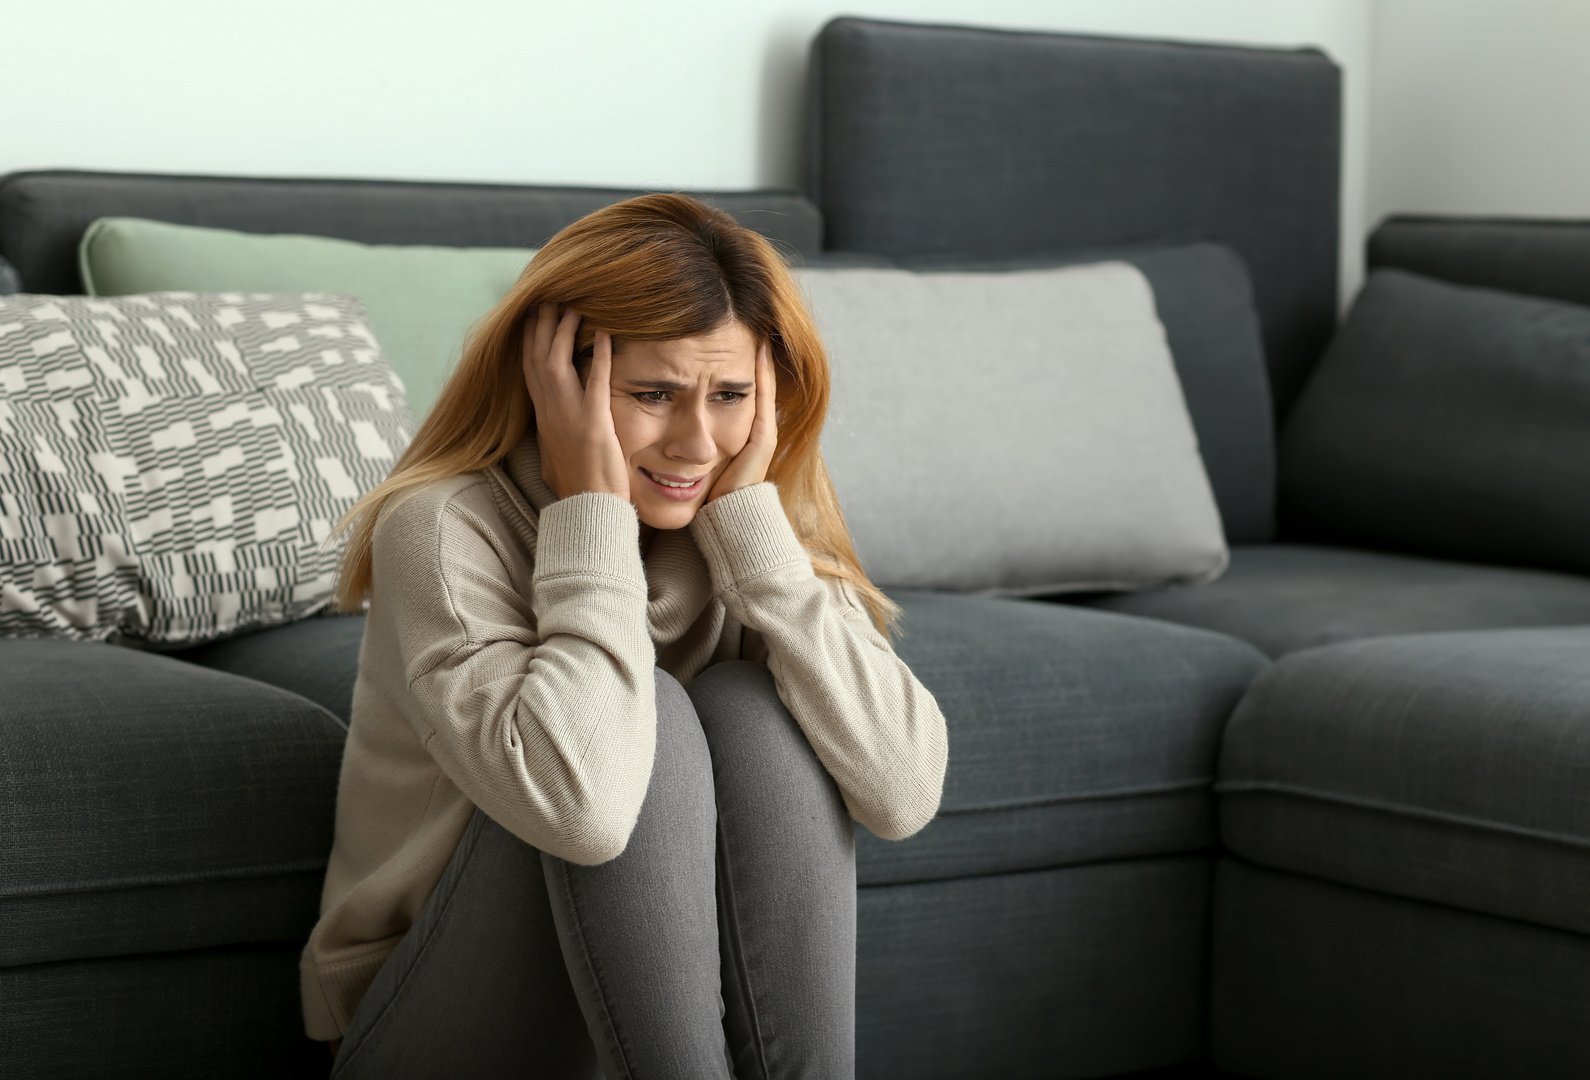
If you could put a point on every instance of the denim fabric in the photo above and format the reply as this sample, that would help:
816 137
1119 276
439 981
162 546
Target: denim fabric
721 943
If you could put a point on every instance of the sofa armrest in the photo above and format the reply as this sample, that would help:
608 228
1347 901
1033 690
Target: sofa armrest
1547 257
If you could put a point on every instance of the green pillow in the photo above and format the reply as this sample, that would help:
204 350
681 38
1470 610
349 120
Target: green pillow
421 300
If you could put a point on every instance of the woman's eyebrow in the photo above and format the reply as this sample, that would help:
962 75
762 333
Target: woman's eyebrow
664 384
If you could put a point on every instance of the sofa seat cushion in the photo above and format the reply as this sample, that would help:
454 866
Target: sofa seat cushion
1288 596
1075 735
1443 767
152 805
316 658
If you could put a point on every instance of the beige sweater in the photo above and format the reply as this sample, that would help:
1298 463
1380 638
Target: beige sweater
507 664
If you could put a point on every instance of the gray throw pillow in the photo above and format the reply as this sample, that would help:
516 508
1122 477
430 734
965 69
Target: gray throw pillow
170 463
1015 433
1447 420
1203 296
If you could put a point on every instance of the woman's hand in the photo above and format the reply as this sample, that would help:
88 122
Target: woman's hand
750 464
574 426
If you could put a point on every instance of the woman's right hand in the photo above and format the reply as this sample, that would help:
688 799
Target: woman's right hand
579 446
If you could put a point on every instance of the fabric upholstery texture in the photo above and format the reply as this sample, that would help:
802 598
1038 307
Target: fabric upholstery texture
1204 299
208 1013
422 300
154 805
1081 971
1314 979
1023 686
186 487
1149 699
316 658
1443 767
1448 420
1283 597
1042 404
1538 256
44 212
976 140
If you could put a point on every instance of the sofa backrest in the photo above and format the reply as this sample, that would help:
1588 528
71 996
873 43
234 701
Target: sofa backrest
43 213
929 138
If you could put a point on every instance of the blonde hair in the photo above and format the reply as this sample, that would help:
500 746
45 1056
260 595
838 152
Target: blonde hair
655 267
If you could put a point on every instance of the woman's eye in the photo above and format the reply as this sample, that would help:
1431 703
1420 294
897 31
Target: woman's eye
646 397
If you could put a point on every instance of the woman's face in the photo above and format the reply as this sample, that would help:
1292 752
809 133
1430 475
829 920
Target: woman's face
683 409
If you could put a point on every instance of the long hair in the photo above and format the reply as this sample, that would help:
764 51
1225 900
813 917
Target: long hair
655 267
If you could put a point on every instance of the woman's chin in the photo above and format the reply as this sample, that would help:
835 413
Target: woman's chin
670 515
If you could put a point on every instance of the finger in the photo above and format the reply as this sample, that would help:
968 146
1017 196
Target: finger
527 348
560 358
600 375
546 324
767 391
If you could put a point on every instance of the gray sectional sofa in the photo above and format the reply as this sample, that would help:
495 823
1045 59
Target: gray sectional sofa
1326 816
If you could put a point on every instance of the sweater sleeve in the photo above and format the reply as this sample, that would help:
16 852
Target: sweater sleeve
876 729
541 709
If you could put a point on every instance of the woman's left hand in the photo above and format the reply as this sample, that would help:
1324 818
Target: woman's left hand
750 464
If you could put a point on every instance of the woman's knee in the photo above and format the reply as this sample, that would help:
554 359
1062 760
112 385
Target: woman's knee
747 724
728 691
682 752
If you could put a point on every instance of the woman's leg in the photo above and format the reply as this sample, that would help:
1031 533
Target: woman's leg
786 884
640 932
477 988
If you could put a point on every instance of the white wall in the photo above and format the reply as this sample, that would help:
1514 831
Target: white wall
1480 107
700 95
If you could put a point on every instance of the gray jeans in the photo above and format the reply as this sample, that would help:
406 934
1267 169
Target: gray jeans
721 943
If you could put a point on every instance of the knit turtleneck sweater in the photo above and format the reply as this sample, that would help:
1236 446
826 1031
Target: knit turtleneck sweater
507 664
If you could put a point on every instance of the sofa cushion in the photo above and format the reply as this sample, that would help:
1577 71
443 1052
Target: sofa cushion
1203 297
1443 767
421 299
152 805
1448 420
1283 597
1013 432
185 489
315 658
926 137
1076 736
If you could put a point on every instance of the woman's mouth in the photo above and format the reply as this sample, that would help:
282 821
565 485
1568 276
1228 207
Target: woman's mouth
678 492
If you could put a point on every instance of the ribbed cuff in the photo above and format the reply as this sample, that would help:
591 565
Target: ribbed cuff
746 533
329 997
590 532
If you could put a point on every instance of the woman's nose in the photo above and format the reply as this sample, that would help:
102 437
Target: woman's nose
690 432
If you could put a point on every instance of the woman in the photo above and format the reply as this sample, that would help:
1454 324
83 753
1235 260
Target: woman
622 689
